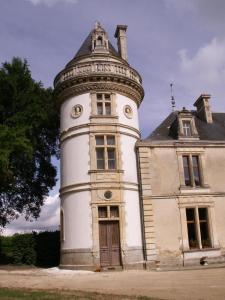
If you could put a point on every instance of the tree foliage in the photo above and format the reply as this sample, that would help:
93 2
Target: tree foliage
29 128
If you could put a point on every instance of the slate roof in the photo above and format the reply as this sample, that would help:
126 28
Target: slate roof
206 131
85 48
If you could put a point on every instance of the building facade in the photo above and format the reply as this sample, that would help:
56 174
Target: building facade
127 202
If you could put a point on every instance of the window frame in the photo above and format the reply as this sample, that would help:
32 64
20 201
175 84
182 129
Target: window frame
192 169
197 227
104 103
107 148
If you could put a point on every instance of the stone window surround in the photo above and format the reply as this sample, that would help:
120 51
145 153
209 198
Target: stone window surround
93 161
94 111
211 221
194 132
203 175
106 147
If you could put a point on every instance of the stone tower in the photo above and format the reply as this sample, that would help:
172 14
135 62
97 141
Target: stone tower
99 94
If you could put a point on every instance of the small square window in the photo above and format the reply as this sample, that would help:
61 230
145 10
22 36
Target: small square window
99 97
110 140
102 212
99 140
114 212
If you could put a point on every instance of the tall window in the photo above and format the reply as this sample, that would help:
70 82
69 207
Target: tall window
198 228
104 104
187 128
192 176
105 152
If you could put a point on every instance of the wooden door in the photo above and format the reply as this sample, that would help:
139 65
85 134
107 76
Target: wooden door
109 240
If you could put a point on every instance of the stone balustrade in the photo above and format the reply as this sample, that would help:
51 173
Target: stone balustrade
97 68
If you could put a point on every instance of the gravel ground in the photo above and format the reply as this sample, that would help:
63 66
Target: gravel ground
186 284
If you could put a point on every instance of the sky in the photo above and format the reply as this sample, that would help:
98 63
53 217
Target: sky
169 41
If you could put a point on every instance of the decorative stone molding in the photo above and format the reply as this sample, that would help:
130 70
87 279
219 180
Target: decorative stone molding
76 111
128 111
89 82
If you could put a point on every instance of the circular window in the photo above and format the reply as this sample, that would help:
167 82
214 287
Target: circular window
76 111
128 111
108 195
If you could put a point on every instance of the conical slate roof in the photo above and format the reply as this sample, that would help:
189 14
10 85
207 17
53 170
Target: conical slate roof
85 48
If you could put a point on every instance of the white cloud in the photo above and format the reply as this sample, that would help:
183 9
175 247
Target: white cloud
48 220
51 2
205 70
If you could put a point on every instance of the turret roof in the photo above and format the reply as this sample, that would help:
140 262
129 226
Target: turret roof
85 48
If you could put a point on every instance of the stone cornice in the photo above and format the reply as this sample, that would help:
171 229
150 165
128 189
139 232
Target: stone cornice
177 144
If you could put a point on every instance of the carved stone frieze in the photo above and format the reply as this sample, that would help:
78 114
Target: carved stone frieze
77 86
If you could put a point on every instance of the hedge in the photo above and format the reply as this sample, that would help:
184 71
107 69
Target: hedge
39 249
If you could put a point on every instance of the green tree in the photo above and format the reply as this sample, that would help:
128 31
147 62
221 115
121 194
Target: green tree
29 130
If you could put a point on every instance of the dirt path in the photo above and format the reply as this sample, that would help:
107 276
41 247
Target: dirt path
191 284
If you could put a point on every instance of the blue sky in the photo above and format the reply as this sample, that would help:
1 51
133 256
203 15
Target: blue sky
179 41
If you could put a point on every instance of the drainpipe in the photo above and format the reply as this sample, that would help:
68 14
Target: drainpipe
141 208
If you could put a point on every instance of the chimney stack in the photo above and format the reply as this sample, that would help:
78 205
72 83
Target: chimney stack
120 34
203 108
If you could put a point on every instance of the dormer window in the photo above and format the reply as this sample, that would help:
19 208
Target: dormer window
99 40
186 125
187 128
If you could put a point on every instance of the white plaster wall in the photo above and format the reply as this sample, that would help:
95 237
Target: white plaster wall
75 160
66 120
133 222
121 101
77 216
167 225
129 165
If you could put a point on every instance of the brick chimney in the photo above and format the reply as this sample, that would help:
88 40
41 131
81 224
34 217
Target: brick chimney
203 108
120 34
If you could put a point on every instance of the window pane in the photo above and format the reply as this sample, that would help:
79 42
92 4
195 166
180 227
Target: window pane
187 176
111 159
204 227
196 170
99 96
99 140
107 97
190 213
202 212
108 108
100 108
191 226
102 212
100 158
187 128
110 140
114 211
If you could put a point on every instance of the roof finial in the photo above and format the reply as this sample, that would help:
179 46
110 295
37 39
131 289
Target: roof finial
172 98
97 24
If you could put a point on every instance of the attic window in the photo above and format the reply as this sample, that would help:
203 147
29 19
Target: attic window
187 128
99 41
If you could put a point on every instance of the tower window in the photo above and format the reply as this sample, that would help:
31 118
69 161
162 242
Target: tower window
105 152
104 104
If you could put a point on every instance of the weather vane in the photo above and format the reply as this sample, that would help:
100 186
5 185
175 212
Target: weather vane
172 98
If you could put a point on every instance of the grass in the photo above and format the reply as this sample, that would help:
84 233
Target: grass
12 294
